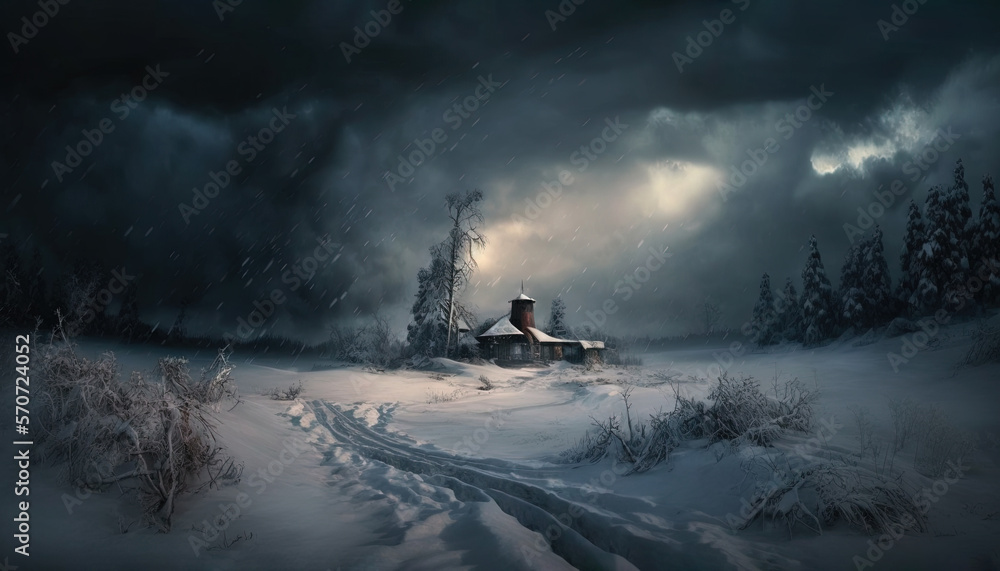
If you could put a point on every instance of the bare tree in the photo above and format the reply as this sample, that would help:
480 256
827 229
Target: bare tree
463 239
711 314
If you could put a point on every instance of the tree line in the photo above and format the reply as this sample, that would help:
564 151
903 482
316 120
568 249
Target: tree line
949 261
90 298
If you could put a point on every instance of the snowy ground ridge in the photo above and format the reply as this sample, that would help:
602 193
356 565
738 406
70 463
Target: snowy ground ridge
583 534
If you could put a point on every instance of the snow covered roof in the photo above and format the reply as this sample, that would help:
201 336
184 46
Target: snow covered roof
591 344
522 297
542 337
502 327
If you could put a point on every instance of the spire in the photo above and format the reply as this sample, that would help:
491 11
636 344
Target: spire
522 296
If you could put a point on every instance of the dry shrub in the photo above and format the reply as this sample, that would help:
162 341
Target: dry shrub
291 393
985 346
835 491
739 413
158 436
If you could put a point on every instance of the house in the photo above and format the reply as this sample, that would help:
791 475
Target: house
514 339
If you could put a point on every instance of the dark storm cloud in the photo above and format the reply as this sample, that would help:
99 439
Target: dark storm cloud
324 174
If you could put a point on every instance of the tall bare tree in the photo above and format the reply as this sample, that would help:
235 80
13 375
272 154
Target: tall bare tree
463 239
711 314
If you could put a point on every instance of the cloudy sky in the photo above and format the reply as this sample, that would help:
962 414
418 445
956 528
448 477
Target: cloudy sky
830 101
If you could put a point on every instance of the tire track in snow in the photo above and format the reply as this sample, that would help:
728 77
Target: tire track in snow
595 539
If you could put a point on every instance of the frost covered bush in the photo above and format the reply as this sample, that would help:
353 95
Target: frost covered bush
741 412
441 396
291 393
591 363
641 444
372 344
985 347
935 440
157 435
862 490
737 412
485 383
834 491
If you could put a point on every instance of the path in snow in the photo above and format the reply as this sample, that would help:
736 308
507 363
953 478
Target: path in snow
604 531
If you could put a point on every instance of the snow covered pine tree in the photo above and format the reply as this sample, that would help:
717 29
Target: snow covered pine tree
764 319
818 318
791 323
986 244
853 306
876 284
909 263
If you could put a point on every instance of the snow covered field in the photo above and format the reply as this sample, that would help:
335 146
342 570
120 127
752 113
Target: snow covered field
422 470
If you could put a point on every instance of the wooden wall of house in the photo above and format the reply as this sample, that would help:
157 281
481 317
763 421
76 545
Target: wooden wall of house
551 352
573 353
506 351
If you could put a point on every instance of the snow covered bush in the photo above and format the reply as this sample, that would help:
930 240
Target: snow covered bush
372 344
937 442
742 413
904 421
863 491
485 383
435 397
156 437
738 413
900 326
291 393
985 346
834 491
